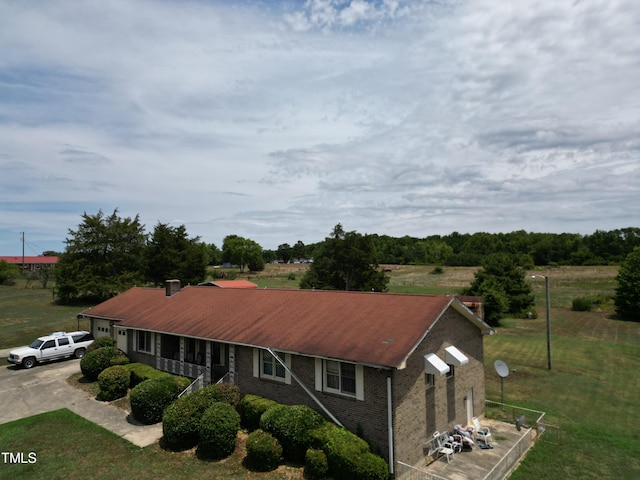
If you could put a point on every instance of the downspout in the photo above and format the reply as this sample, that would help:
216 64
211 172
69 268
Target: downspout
390 424
304 387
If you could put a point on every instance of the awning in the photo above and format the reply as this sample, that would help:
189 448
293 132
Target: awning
453 356
435 366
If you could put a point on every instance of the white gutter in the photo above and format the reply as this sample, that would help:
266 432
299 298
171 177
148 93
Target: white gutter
304 387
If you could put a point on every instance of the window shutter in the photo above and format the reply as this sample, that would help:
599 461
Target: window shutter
319 374
287 375
256 362
359 382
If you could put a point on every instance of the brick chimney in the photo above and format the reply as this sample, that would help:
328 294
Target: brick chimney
172 287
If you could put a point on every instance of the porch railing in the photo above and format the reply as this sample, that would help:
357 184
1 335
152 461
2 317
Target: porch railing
197 384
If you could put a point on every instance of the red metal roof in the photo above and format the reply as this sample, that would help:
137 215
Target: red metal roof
370 328
230 284
17 259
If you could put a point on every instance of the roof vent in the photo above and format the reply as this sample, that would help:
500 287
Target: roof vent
172 287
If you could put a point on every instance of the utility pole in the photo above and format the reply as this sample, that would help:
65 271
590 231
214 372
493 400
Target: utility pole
23 251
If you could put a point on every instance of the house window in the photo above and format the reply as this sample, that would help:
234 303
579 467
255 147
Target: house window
144 342
270 367
451 373
170 347
342 378
266 366
429 380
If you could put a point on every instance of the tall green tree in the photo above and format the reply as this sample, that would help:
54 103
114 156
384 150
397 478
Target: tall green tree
501 281
345 261
8 273
103 257
627 299
243 252
170 253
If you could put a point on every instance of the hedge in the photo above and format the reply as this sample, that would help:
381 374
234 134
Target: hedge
315 464
151 397
181 419
101 342
223 392
219 427
264 452
114 383
141 372
251 409
292 426
93 363
348 455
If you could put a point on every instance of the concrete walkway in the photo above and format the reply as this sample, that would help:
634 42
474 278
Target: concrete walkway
24 393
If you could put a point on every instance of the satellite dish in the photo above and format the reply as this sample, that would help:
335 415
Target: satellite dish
501 368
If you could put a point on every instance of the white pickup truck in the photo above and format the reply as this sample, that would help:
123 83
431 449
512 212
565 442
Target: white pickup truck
52 347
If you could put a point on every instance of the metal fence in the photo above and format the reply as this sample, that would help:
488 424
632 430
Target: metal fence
407 472
197 384
511 414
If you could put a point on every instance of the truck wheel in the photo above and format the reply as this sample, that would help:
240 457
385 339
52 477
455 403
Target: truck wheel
79 353
28 362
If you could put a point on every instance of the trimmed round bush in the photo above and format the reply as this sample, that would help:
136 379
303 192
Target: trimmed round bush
114 383
264 452
93 363
101 342
315 464
151 397
219 427
181 421
292 426
251 409
348 455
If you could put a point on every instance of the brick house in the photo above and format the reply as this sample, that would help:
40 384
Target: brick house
31 263
391 367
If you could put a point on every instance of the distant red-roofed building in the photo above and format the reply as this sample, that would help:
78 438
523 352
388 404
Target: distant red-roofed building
396 367
31 263
229 284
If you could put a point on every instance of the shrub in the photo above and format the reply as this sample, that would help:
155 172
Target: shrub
219 426
181 421
264 452
98 360
141 372
114 383
586 304
292 426
348 455
291 276
437 271
151 397
223 392
251 409
101 342
315 464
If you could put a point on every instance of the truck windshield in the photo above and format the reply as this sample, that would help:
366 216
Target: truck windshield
36 344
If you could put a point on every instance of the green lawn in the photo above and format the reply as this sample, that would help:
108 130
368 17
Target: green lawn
69 447
27 313
591 393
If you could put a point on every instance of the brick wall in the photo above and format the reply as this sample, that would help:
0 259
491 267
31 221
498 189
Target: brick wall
367 417
419 411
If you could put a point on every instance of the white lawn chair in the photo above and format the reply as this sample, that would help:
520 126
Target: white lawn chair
482 433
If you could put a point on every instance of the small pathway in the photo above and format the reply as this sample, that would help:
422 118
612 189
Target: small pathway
24 393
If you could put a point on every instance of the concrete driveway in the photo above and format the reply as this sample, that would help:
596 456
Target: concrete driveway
24 393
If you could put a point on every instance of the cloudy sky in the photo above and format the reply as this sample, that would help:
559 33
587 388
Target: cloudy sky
277 120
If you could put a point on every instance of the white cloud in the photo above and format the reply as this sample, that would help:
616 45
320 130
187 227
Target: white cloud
278 121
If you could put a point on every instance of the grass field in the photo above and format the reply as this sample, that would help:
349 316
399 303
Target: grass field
591 393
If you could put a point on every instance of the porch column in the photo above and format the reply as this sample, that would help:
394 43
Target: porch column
232 363
182 356
207 375
158 343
